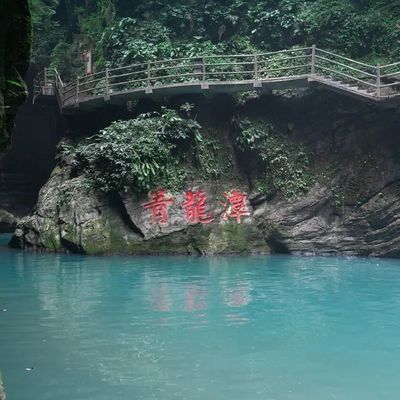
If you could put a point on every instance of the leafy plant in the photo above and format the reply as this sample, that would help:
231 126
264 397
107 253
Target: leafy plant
138 154
137 31
286 167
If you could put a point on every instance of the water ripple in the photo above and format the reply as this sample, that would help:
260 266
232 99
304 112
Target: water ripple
195 328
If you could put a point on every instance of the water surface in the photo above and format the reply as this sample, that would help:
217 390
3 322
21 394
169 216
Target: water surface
124 328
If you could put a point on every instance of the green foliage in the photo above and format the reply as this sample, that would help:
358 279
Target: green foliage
359 31
62 29
47 31
242 98
131 41
16 84
122 32
139 154
286 167
64 59
214 161
275 26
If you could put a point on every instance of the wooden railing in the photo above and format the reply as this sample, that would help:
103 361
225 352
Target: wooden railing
346 70
380 82
48 83
43 84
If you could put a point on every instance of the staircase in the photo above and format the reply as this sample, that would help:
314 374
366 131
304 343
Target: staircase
344 88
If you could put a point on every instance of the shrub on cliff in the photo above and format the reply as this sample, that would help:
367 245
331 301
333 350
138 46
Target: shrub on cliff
285 166
138 154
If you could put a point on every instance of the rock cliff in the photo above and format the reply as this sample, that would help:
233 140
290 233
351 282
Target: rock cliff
15 48
348 204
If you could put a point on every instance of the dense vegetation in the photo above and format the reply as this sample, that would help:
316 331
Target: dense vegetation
284 166
170 149
163 149
145 152
125 31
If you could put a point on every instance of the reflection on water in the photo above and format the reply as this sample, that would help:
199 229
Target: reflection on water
196 328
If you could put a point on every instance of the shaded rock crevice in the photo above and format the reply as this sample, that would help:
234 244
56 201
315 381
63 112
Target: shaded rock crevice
15 50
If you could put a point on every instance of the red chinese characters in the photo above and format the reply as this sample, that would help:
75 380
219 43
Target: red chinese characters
195 207
159 206
235 206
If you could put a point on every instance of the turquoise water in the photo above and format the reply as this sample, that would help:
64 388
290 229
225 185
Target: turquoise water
249 328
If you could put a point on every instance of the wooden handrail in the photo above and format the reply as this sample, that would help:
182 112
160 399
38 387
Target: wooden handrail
143 71
284 68
228 68
126 82
285 51
389 75
390 65
347 76
344 66
390 84
346 58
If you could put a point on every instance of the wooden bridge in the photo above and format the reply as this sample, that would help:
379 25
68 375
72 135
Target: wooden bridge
299 67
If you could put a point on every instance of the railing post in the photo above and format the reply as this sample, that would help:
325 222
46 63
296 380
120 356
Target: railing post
107 94
204 83
255 67
378 80
77 92
57 86
59 80
313 59
148 90
148 73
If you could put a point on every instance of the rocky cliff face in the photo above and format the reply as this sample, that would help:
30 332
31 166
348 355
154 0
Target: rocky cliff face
350 206
15 47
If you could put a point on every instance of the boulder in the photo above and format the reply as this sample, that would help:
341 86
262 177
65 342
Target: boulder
8 222
2 391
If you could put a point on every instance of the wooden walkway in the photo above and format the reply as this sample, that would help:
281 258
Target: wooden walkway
284 69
